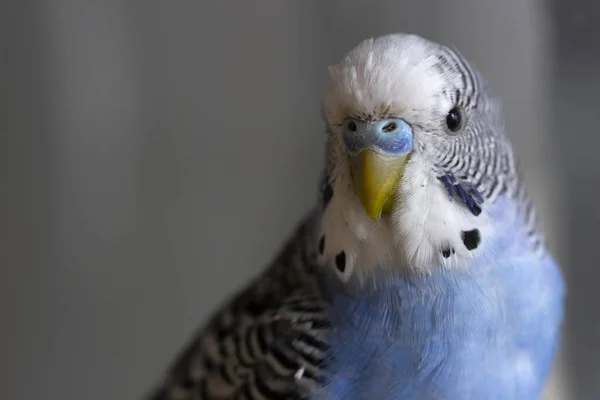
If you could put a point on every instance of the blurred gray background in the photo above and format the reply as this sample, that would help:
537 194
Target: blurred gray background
155 154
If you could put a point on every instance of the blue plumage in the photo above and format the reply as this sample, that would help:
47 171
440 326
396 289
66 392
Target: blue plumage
487 332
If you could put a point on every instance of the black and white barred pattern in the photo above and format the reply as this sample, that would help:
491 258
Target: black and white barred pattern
267 344
481 158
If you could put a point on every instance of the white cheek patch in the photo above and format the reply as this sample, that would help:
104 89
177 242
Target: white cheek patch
434 228
336 237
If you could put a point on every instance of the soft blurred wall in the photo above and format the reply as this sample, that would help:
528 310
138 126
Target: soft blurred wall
155 154
574 119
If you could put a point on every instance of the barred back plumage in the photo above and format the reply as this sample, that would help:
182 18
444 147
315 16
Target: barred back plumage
267 343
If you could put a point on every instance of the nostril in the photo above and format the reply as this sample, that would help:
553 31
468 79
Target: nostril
390 127
352 126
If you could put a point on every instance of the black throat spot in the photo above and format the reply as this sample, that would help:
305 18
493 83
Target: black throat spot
471 239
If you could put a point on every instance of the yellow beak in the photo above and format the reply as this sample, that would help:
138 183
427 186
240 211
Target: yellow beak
375 178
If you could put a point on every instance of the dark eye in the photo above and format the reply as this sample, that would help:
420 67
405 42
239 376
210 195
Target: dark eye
351 126
454 119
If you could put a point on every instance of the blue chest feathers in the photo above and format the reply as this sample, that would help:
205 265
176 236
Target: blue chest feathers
486 333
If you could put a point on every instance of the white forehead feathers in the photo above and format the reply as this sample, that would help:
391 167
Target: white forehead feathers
394 75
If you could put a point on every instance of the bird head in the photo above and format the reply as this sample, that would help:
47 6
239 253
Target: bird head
416 147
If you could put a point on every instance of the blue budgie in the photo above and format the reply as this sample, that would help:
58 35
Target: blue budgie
420 273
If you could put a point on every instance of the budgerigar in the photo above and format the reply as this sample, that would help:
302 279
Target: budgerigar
420 273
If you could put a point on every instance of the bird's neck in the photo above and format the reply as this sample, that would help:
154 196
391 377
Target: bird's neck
427 231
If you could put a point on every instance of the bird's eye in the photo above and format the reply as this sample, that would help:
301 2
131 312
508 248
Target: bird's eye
454 119
351 125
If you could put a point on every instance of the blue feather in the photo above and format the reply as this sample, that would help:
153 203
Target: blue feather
467 194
